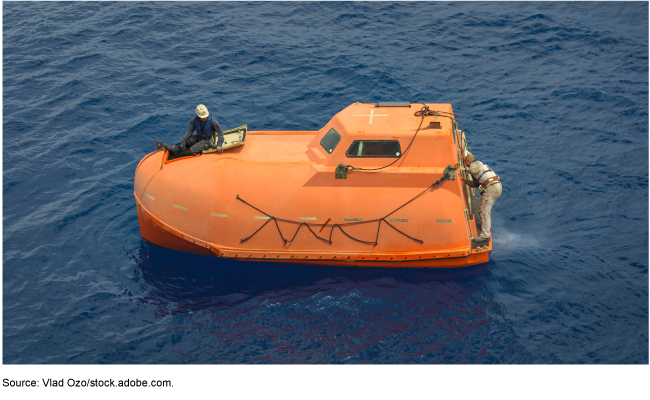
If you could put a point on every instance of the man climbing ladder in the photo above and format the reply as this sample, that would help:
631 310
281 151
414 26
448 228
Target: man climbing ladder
489 186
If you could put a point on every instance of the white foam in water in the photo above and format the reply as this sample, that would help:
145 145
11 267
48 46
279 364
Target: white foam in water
513 240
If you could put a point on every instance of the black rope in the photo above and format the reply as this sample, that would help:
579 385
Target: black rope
438 182
389 224
308 227
461 127
267 221
378 227
275 220
242 200
350 236
424 112
279 231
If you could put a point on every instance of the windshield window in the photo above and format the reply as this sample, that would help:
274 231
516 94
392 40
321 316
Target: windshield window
330 140
374 148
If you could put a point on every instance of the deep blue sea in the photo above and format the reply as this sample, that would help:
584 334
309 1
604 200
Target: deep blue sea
554 97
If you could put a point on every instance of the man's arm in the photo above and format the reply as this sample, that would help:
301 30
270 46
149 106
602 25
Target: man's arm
188 133
217 128
472 183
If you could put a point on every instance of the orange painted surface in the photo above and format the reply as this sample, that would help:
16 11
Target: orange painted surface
190 204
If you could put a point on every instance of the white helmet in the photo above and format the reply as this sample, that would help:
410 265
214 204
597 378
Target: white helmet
202 111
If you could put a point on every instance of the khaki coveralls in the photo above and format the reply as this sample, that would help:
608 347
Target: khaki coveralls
489 193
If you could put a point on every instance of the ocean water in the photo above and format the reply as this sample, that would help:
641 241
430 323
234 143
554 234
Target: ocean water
554 97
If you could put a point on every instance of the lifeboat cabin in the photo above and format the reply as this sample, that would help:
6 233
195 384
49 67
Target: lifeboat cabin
375 187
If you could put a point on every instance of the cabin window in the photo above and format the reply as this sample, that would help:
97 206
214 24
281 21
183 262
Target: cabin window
330 140
374 148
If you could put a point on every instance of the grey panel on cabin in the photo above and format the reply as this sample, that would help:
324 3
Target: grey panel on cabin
393 104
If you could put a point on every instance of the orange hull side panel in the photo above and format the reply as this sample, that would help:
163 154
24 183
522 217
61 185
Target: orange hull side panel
163 238
159 236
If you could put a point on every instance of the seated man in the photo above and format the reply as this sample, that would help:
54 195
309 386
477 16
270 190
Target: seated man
204 126
490 187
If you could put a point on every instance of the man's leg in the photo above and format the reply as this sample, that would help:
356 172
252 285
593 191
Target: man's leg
177 147
488 198
200 146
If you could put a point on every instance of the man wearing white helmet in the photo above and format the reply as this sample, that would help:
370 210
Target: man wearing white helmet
204 126
489 186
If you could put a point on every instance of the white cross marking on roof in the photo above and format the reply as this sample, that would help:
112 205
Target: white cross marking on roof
372 114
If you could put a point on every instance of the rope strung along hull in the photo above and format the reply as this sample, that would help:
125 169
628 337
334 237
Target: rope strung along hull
376 186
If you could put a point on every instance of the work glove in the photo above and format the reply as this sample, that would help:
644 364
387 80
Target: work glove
183 146
220 149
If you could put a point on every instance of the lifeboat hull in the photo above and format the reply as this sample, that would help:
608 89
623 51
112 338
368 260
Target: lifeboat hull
276 199
154 232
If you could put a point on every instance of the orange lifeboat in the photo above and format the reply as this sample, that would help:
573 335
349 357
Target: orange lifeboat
375 187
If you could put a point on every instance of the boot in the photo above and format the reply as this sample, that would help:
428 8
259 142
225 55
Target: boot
167 147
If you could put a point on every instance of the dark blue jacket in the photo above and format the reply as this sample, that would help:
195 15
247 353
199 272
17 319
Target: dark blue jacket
204 133
209 127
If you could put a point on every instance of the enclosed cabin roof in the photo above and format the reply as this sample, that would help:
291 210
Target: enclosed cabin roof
369 136
374 135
